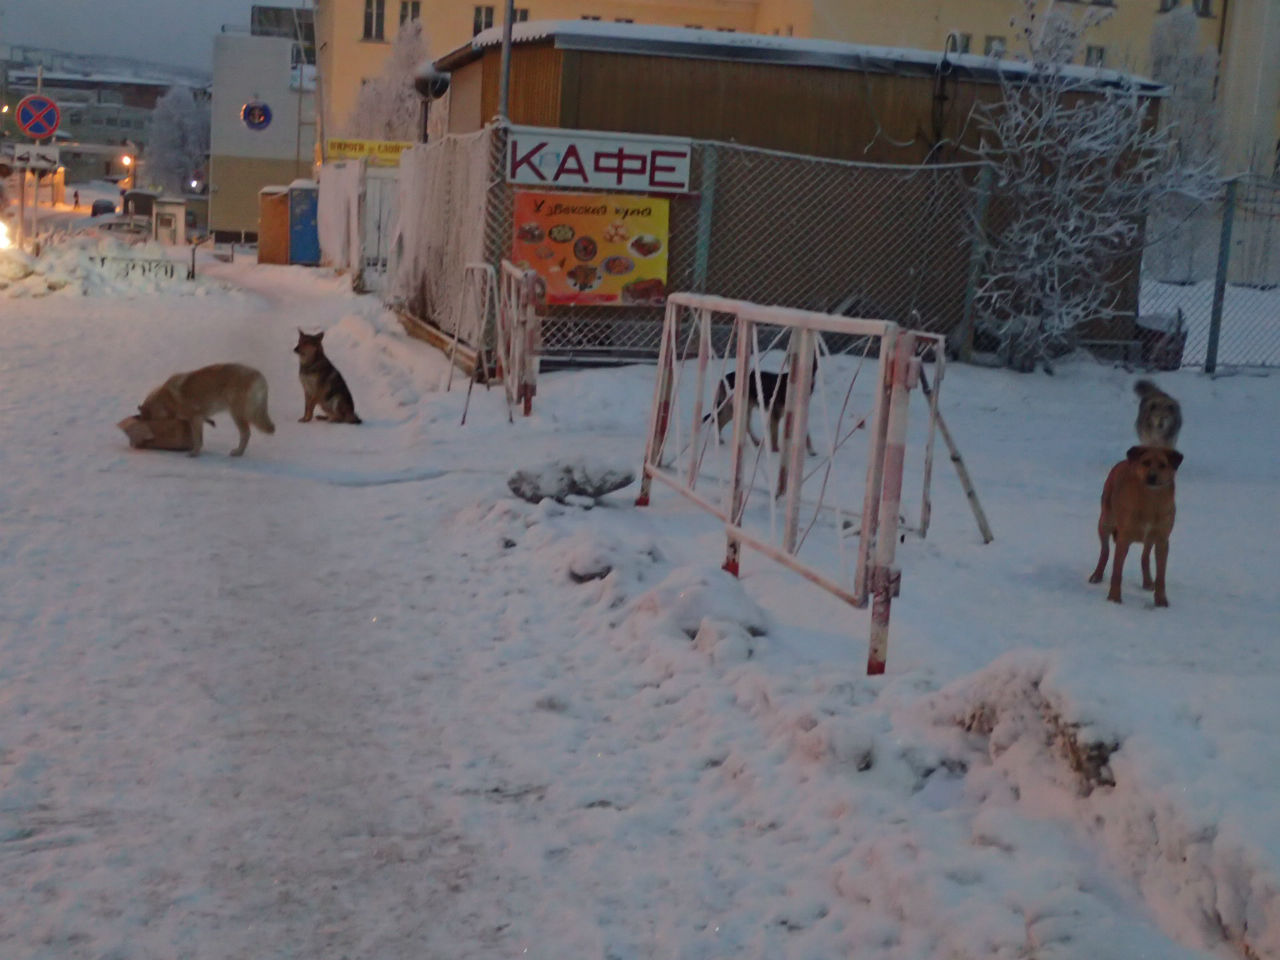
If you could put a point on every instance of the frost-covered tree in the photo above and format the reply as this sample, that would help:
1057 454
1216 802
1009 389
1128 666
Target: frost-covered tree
388 107
1183 231
1078 163
177 139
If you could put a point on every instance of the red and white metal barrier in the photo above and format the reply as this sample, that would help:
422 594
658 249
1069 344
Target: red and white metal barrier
479 298
519 335
808 509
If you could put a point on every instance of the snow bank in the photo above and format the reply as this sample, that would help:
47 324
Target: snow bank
1057 739
698 770
98 267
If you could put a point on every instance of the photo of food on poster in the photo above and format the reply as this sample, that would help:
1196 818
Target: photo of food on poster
593 248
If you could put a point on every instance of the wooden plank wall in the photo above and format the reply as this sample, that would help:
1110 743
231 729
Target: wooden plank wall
811 110
535 84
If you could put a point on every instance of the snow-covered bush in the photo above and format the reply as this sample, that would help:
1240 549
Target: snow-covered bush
1078 159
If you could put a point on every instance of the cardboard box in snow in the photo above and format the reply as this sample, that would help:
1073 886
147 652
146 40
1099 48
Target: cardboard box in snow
157 434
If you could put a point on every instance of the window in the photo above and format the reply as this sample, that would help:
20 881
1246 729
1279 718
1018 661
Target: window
482 20
624 20
693 26
725 30
375 18
522 14
1167 5
1094 56
410 10
1204 8
994 46
959 42
587 16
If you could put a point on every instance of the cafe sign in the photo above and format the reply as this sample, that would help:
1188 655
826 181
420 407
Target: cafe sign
569 159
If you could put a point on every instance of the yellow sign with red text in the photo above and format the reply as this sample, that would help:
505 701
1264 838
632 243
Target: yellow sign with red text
377 153
593 248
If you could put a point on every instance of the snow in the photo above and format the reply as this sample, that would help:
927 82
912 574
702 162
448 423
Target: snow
84 264
347 697
1248 320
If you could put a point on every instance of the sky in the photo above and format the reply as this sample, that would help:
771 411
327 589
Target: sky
165 31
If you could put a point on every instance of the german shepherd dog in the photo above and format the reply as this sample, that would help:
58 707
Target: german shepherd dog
773 386
322 384
193 397
1159 416
1138 507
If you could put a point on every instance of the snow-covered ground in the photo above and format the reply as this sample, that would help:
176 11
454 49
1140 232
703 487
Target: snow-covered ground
1250 334
346 697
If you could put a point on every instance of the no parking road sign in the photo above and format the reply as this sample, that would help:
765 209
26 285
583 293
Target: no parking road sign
38 116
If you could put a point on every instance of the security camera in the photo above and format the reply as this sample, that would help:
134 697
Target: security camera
431 84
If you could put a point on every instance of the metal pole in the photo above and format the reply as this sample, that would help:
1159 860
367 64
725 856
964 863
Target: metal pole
1220 282
504 85
884 577
22 206
964 337
706 210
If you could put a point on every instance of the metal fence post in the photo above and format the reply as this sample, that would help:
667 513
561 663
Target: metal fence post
1220 282
965 333
706 208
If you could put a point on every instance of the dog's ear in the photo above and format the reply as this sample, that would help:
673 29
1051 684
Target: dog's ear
1134 453
1175 459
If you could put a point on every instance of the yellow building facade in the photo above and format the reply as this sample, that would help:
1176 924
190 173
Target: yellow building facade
354 37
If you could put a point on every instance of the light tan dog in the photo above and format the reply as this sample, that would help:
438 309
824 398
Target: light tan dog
197 395
1159 416
1138 507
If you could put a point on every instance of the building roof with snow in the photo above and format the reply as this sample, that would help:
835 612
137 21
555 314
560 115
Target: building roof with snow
819 98
696 43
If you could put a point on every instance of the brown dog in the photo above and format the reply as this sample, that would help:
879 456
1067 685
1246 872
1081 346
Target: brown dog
1137 507
195 396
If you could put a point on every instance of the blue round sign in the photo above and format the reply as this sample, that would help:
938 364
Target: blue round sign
38 116
256 115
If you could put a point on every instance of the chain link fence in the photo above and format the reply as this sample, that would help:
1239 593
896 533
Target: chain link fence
1211 272
856 240
851 239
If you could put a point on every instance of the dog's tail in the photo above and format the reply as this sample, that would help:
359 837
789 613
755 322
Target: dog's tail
258 406
262 420
1145 388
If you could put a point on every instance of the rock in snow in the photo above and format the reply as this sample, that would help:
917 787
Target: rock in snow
563 479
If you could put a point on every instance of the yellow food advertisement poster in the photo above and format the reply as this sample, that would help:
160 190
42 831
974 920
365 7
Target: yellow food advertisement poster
593 248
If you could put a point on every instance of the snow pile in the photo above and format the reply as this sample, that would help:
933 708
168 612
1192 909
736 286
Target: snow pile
381 363
662 737
91 266
1031 807
578 480
1049 739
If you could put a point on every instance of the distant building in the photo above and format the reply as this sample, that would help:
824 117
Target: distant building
263 107
105 102
354 38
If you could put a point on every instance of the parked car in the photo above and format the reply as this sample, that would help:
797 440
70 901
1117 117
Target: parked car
101 207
